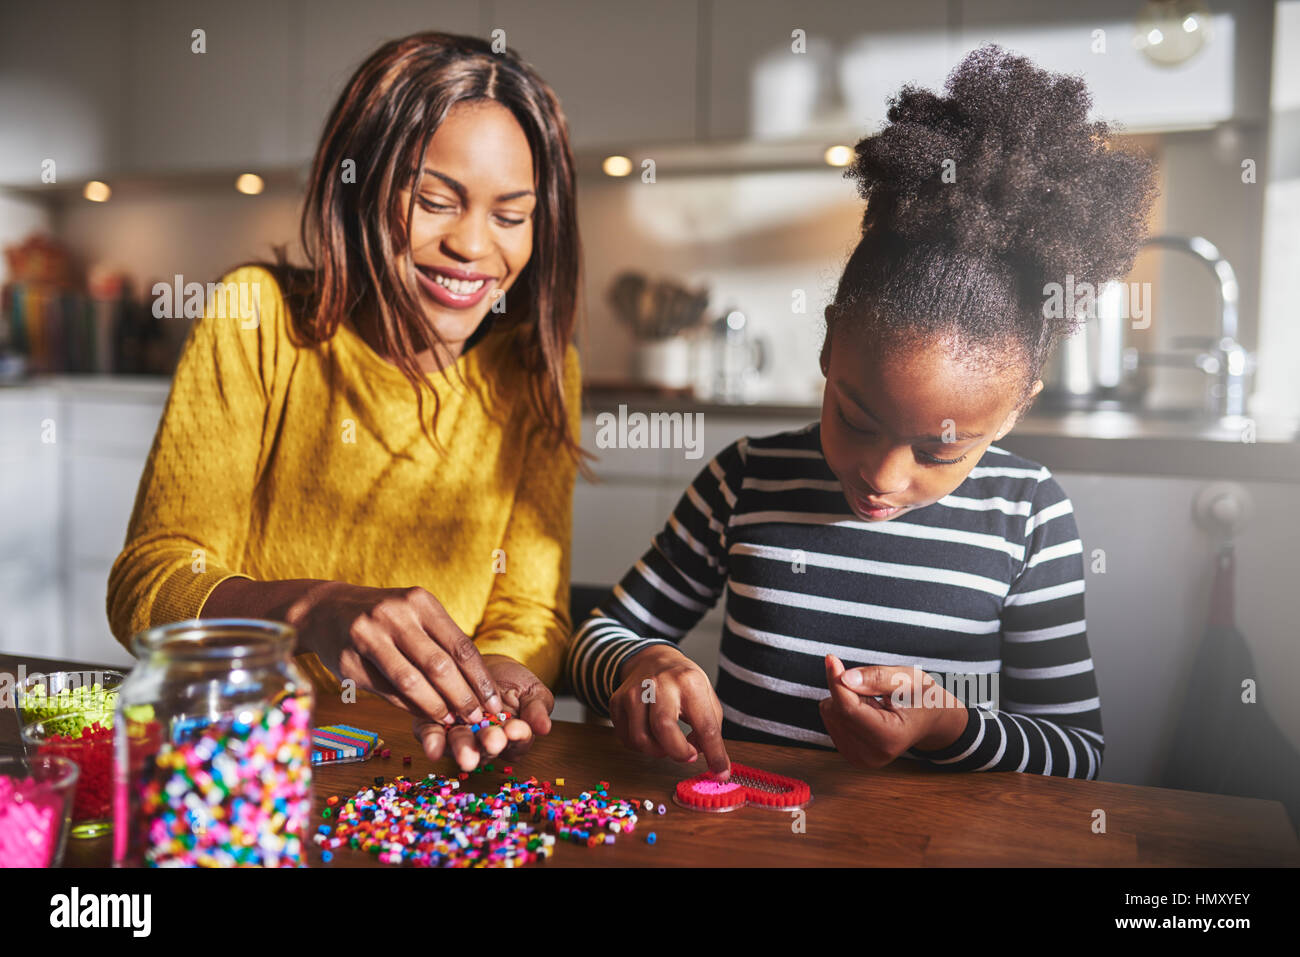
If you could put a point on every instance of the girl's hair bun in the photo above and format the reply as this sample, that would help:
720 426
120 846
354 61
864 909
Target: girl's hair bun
1005 164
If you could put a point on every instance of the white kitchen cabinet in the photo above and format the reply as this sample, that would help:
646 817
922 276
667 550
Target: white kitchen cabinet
61 65
227 108
857 55
1211 87
331 38
31 530
64 508
612 527
624 72
101 494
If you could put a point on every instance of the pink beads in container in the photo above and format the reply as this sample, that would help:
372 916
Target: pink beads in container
35 807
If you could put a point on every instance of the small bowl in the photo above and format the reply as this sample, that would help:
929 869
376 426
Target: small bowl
92 753
60 697
35 810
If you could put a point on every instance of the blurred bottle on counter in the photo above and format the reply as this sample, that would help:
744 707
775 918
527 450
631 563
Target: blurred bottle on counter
53 322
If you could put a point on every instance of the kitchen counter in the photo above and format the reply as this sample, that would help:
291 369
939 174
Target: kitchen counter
1097 442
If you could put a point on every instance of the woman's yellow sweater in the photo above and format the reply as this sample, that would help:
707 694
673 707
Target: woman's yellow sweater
275 461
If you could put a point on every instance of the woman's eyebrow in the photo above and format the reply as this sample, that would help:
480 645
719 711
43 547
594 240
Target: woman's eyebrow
853 397
462 192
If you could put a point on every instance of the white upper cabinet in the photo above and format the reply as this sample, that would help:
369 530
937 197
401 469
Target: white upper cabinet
334 37
1226 79
61 68
855 56
115 87
624 72
223 109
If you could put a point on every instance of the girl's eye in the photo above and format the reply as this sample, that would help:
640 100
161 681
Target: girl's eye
929 459
507 221
839 410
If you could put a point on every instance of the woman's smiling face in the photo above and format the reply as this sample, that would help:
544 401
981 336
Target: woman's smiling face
901 432
471 233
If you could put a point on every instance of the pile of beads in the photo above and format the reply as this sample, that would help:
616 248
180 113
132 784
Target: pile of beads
68 710
30 818
91 750
231 792
432 823
490 719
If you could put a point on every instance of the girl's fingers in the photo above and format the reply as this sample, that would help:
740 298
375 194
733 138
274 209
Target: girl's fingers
664 727
844 698
636 720
706 732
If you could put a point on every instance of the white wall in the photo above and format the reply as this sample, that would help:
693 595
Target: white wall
1279 336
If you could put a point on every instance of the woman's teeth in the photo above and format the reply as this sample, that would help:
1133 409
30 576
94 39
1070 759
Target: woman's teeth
459 286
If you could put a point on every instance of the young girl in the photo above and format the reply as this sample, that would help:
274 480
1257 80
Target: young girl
892 552
300 473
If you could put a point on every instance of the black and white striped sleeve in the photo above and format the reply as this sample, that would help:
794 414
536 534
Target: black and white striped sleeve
1048 714
665 594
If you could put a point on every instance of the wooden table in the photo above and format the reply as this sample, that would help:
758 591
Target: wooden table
903 815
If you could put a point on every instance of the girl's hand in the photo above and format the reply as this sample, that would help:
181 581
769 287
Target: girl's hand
660 685
399 643
525 697
871 732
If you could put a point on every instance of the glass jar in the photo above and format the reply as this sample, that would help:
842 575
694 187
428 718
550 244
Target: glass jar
83 697
91 749
213 748
35 809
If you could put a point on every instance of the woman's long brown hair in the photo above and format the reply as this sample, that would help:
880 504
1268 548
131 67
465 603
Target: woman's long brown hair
353 232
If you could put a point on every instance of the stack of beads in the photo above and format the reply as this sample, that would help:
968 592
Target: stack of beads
432 823
231 792
341 744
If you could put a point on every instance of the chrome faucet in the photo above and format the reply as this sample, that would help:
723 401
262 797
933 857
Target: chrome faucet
1223 358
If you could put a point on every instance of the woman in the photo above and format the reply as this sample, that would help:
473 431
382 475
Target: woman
299 473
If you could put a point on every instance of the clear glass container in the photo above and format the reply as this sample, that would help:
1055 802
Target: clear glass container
88 696
35 810
213 748
90 748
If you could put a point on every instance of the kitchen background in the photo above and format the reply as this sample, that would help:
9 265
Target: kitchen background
746 217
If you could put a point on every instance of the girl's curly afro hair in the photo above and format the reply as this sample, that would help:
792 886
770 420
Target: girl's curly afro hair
980 197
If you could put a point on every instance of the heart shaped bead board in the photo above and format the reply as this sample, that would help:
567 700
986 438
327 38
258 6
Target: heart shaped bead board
745 786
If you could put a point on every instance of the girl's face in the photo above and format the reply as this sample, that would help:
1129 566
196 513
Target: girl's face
471 233
901 433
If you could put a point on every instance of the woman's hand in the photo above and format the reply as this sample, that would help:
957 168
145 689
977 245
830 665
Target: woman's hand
526 698
876 713
660 685
399 643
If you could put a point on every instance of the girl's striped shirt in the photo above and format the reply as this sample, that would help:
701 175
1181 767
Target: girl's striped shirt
983 589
